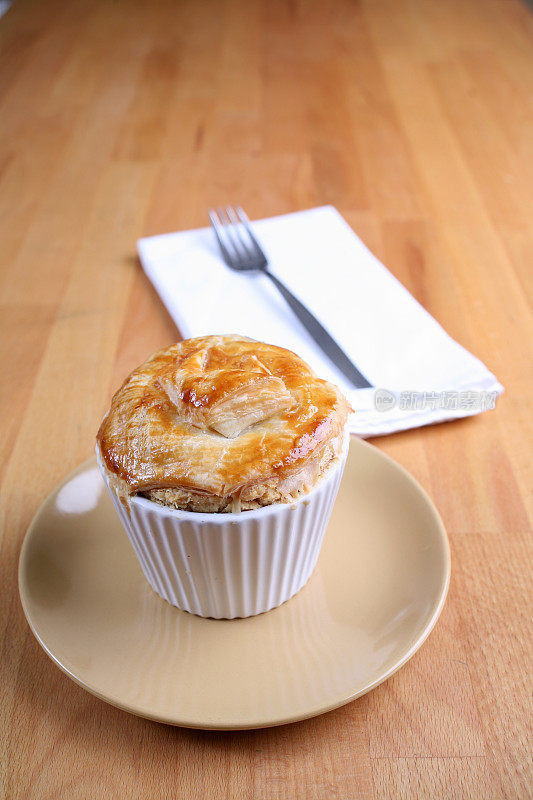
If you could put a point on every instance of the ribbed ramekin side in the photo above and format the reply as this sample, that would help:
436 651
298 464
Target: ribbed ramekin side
136 525
137 541
323 510
278 538
226 568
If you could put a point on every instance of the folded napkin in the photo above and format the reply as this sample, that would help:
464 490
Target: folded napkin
420 374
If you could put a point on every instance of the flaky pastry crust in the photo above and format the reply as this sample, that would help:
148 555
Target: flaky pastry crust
221 423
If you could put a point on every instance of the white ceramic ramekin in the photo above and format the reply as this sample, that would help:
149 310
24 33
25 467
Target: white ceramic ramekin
230 565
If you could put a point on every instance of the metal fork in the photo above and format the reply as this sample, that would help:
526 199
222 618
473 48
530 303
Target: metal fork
241 251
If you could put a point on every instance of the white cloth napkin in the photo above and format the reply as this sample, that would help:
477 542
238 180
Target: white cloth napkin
421 375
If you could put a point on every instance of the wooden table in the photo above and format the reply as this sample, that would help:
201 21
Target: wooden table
414 118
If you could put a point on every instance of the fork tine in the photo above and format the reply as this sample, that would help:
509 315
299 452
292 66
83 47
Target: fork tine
251 254
216 225
232 215
243 218
233 237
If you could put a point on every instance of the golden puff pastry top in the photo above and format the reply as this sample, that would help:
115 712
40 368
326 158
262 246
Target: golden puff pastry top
221 423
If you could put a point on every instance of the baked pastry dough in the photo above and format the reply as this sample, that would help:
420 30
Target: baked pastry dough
221 423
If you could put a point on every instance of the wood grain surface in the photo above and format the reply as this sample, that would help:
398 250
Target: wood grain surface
413 117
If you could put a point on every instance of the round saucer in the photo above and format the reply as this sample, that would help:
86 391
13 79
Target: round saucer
375 595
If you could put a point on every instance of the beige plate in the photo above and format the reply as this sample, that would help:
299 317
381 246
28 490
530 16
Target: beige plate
378 589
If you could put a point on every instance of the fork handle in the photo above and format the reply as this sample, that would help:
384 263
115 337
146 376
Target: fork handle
322 337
